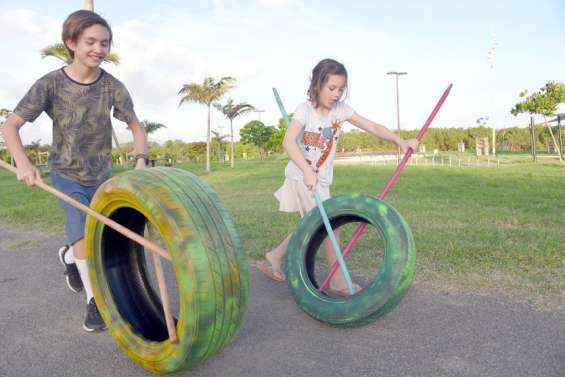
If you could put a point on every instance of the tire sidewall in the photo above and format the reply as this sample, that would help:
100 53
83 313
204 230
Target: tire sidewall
392 280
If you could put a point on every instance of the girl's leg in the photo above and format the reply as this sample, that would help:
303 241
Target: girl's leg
338 281
276 256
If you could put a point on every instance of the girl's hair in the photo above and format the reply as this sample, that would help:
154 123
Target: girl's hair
320 75
75 24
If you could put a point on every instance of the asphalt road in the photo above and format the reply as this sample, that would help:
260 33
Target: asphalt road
428 334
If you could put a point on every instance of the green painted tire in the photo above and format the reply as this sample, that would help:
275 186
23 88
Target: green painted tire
386 289
209 263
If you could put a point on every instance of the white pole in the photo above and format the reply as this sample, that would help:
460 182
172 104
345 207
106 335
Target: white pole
491 58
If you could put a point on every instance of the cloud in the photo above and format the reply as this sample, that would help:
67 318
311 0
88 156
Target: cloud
275 3
276 43
15 22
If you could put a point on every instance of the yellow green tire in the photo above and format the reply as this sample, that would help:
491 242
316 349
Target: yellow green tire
386 289
208 260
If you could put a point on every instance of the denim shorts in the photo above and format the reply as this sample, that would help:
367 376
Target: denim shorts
75 218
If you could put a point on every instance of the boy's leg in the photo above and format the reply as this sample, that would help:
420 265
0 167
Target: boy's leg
72 276
79 253
92 321
75 222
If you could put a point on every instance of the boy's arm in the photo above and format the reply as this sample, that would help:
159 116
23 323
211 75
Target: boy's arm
26 172
382 132
139 143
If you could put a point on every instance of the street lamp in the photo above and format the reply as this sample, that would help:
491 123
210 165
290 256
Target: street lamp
397 102
258 113
491 60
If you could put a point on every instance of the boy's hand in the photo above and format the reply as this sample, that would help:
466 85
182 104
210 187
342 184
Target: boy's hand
140 164
28 174
409 143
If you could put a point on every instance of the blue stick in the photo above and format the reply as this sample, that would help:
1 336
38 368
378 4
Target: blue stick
327 224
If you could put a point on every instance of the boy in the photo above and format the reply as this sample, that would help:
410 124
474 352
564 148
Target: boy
79 99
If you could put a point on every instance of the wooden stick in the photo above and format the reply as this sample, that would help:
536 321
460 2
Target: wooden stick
107 221
163 289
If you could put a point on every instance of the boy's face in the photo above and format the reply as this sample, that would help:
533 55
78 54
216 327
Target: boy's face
92 46
332 91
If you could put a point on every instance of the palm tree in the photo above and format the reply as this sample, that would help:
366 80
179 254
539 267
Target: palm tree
59 51
206 94
232 111
218 140
151 127
4 114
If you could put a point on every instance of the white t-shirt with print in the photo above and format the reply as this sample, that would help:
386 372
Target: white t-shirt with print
318 139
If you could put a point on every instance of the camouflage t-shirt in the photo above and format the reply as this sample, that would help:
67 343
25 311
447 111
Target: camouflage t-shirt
82 129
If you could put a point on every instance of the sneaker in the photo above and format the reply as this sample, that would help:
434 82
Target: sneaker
72 275
93 321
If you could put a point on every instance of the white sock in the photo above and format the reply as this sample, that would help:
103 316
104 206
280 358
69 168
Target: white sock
83 271
69 256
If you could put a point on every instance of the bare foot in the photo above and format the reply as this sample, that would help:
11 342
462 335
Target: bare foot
271 267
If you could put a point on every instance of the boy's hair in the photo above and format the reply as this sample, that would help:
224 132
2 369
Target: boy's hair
75 24
320 75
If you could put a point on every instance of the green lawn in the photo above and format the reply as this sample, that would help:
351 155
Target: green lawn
477 230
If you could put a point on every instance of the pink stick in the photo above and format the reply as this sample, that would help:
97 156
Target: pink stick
387 187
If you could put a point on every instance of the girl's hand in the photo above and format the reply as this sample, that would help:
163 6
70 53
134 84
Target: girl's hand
310 179
409 143
28 174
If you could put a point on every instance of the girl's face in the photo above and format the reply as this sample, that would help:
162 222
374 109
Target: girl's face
92 46
332 91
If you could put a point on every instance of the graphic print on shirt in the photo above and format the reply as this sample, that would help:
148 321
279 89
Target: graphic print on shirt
322 141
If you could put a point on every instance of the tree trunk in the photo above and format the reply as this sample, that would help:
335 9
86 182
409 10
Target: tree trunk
232 156
554 141
120 150
208 143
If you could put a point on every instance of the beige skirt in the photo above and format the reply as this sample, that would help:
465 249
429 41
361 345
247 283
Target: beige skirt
294 196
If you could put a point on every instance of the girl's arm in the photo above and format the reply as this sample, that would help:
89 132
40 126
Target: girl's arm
26 171
139 142
382 132
294 153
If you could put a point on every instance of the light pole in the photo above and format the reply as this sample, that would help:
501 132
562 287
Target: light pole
396 74
491 59
258 113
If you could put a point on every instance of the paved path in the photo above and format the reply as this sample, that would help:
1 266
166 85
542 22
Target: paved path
426 335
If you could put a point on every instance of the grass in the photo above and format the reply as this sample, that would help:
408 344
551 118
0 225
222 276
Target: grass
477 230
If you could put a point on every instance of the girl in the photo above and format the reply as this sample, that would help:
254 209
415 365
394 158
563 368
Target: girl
310 142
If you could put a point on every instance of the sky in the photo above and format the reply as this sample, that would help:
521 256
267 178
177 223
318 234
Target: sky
276 43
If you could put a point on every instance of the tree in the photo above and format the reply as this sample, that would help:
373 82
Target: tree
543 102
231 111
255 132
218 141
3 116
151 127
59 51
35 149
207 93
275 142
